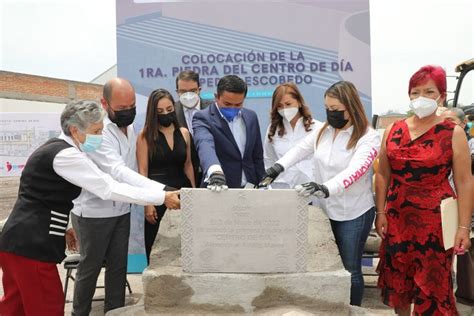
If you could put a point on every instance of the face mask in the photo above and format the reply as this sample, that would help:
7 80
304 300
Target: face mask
189 99
123 118
166 119
288 113
336 119
92 143
423 107
230 113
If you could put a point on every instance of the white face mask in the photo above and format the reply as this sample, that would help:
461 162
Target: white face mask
288 113
189 99
423 107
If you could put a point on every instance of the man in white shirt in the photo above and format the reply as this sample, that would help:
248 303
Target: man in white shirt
103 226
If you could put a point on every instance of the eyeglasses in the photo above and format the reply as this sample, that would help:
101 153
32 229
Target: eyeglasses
195 90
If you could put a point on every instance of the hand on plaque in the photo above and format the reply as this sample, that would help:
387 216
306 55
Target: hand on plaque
217 182
270 175
312 188
172 201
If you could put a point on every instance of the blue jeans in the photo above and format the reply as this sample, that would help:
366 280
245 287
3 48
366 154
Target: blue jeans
350 239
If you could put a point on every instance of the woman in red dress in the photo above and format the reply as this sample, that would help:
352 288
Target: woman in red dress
417 157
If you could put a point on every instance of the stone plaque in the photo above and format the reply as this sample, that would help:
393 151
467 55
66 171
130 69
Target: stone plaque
244 230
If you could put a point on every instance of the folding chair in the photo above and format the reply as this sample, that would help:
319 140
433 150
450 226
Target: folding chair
70 263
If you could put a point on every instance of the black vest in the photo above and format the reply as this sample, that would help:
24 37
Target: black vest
38 221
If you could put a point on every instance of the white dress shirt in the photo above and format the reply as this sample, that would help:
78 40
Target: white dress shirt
76 167
238 130
116 157
189 114
279 146
346 173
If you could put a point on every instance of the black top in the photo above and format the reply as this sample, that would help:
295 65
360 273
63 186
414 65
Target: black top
38 221
167 166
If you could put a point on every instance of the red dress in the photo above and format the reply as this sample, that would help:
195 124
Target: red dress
414 267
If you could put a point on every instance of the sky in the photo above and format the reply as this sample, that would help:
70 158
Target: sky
75 40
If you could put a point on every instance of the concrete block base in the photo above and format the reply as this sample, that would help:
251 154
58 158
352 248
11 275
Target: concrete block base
324 289
169 290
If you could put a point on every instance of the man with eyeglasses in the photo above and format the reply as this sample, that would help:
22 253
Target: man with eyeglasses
188 88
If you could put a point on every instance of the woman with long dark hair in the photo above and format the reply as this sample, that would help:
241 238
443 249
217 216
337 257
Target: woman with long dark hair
164 155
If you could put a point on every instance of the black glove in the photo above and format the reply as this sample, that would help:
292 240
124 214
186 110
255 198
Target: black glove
271 174
217 182
312 188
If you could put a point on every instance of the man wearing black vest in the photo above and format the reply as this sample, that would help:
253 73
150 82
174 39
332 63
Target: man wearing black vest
188 88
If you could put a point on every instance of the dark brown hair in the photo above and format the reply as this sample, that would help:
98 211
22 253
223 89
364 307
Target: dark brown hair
151 128
188 75
276 119
347 94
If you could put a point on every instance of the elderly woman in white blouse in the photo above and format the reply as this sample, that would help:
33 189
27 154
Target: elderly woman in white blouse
32 241
291 122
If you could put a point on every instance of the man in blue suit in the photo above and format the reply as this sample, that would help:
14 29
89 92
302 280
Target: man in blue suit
227 138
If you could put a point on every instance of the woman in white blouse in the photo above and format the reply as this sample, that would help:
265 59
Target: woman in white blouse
291 121
343 150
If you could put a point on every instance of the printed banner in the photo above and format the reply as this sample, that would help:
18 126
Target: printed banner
20 135
311 43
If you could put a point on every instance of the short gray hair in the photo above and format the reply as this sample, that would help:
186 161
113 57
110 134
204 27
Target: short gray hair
459 113
81 114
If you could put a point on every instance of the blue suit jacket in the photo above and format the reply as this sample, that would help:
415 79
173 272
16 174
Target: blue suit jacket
216 145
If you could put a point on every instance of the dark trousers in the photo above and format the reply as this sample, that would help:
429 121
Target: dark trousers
465 277
101 240
151 230
350 239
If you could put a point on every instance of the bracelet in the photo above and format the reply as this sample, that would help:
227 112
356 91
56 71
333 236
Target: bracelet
464 227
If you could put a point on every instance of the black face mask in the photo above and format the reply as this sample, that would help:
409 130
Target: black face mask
166 119
123 118
336 119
